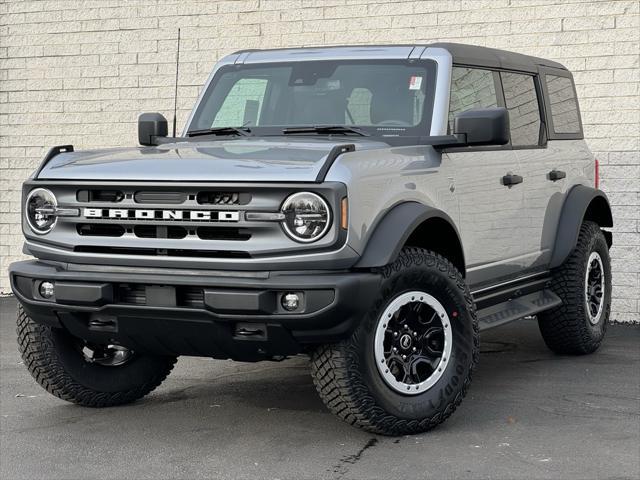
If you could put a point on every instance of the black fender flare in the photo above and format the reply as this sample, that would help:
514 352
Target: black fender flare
574 211
394 229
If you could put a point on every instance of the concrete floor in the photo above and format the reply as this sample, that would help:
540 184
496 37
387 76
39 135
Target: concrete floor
529 414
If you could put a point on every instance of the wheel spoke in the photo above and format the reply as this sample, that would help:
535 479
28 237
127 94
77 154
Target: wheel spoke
413 342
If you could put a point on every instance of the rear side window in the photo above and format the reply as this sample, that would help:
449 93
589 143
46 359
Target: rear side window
471 88
521 100
564 105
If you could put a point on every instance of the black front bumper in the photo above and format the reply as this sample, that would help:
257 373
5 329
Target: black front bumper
218 314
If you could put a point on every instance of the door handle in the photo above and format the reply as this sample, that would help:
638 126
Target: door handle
511 179
555 175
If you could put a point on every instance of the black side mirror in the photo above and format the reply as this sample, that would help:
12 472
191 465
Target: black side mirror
150 127
482 126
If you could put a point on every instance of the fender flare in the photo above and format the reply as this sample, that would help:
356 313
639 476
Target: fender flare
394 229
574 209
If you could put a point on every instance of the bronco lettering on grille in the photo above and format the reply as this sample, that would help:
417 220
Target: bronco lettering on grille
136 214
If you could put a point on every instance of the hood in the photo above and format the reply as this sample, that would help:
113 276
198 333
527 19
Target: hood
236 159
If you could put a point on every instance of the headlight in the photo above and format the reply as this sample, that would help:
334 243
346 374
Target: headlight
40 210
306 217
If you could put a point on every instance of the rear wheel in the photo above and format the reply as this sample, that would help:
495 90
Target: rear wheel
583 283
409 363
85 373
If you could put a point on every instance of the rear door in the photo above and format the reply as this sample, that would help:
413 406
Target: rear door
489 211
546 154
528 139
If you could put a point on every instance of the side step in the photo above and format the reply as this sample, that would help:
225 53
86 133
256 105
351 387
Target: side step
516 308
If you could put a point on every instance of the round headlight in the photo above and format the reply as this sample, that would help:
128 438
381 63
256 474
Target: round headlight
40 210
306 217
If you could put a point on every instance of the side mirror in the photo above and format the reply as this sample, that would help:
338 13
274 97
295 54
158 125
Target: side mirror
150 127
482 126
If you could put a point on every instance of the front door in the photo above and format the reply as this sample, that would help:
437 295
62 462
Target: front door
491 213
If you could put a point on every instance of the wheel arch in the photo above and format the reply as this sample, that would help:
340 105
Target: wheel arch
409 224
582 204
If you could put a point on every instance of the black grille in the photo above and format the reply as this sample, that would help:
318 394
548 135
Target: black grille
136 294
223 198
100 230
131 294
159 231
100 196
190 297
223 233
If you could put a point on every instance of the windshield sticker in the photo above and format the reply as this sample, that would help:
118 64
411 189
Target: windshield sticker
415 82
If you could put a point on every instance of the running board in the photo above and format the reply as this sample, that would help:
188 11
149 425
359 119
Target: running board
516 308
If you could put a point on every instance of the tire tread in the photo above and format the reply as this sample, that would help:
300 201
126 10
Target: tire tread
38 351
563 328
334 366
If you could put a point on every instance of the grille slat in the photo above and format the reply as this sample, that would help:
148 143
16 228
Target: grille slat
169 198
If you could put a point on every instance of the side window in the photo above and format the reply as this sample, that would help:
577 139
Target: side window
471 88
564 106
243 104
524 112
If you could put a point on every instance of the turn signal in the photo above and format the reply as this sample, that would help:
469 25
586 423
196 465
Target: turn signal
344 213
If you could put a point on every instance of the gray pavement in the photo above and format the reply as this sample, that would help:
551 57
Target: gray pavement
529 414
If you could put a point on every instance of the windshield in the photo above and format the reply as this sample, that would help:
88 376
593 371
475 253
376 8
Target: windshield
380 97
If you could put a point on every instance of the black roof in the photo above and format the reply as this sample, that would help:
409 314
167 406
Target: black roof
472 55
493 58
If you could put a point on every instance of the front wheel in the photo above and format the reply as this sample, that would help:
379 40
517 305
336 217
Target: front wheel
88 374
408 365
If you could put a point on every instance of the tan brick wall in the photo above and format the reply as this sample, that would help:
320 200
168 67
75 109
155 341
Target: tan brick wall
80 72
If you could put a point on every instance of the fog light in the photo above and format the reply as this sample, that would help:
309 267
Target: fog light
290 301
46 289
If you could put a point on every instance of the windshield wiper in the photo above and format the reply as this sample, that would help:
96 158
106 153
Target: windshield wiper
242 131
326 129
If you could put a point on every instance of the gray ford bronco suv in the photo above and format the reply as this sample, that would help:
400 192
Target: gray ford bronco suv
373 207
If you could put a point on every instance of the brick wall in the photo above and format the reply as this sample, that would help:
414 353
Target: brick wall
80 71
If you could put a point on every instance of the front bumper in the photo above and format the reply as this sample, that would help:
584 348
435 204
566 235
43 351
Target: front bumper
220 314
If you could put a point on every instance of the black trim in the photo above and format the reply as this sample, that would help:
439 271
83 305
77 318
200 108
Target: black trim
571 217
491 57
516 308
552 135
50 154
394 229
493 295
331 158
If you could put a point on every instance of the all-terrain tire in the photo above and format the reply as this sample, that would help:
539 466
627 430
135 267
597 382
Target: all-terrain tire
60 368
346 375
567 329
